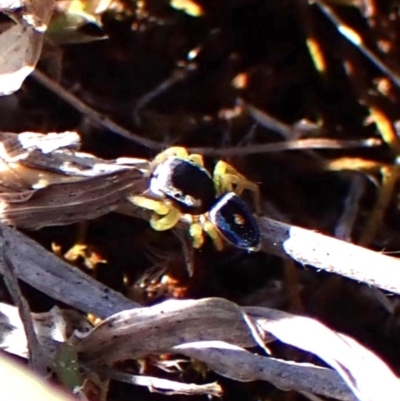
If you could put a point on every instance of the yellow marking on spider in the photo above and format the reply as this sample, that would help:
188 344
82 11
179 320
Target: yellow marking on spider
228 179
213 233
181 152
167 221
177 151
157 206
196 232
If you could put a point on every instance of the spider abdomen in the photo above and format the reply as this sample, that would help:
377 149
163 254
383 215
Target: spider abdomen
235 222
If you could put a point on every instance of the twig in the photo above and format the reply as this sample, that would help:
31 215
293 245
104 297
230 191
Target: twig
353 37
93 115
177 75
299 144
100 119
267 121
164 386
345 224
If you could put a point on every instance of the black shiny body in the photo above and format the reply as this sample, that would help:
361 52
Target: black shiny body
191 188
187 184
235 222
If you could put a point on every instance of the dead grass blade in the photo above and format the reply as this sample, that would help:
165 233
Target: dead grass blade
205 329
330 254
214 329
46 272
67 203
364 372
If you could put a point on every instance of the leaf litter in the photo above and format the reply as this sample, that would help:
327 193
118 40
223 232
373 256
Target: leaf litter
48 181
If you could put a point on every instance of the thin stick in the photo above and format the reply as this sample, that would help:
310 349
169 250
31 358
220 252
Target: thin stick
177 75
91 114
98 118
300 144
345 225
262 118
353 37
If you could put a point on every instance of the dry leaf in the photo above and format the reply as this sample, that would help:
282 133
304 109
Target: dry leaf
21 45
214 331
20 48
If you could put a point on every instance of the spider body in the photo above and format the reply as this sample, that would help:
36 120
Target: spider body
181 189
185 183
235 222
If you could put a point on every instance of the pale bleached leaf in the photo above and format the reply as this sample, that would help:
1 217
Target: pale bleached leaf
21 45
213 329
20 48
365 373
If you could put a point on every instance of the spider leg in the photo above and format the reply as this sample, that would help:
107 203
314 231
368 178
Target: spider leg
196 233
181 152
167 221
178 151
196 159
157 206
228 179
197 230
213 233
165 216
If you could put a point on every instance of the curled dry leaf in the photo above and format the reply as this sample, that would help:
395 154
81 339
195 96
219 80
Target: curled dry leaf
121 336
67 203
214 329
227 359
364 372
46 182
20 48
